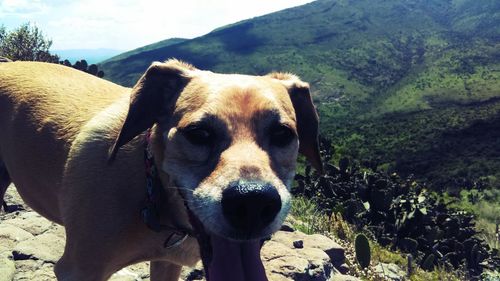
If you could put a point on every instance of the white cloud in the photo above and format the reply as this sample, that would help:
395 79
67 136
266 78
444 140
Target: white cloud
127 24
25 8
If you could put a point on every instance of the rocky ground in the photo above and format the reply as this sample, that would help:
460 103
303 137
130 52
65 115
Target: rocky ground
30 245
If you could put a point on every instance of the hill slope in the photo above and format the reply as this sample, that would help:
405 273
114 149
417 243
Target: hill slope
411 85
157 45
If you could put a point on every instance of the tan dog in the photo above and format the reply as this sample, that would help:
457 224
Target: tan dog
225 147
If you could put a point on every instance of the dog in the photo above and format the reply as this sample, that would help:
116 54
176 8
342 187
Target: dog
187 164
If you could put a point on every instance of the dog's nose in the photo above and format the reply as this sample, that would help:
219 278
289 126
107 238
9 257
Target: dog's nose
250 206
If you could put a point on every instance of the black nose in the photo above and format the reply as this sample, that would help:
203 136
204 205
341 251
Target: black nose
250 206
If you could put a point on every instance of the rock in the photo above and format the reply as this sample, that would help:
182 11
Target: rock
287 227
34 270
390 271
282 262
299 244
11 235
125 274
46 247
30 245
330 247
7 268
58 231
343 268
193 273
341 277
136 272
31 222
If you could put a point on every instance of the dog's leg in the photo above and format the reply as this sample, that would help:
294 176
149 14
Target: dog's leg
4 183
164 271
72 268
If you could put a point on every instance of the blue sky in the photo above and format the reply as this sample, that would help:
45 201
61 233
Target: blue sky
127 24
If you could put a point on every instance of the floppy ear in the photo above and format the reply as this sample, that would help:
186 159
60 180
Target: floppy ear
306 115
152 98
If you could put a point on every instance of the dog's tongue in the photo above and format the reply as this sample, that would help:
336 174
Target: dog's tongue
235 261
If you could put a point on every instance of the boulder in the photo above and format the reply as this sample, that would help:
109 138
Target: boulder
34 270
390 271
31 222
283 262
341 277
30 245
7 267
46 247
11 235
317 241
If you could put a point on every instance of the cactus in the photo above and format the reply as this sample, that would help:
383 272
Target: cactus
362 247
343 165
410 265
428 263
381 199
409 244
401 213
474 255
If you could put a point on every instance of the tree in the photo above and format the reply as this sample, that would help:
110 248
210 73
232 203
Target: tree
85 67
3 32
93 69
27 43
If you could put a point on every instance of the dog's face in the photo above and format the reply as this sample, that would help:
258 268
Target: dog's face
230 142
232 145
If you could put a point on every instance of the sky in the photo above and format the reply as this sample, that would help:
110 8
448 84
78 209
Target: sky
127 24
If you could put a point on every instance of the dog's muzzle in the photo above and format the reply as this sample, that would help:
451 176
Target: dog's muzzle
249 207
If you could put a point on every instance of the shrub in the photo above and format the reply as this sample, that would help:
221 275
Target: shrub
400 213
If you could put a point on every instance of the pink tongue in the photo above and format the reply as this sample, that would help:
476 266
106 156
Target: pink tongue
235 261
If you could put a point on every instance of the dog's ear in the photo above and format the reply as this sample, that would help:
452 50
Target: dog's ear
152 98
306 115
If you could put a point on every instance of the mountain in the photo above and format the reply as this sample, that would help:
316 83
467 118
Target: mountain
90 55
411 86
157 45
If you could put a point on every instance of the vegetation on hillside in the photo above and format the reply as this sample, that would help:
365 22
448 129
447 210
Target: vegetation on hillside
403 214
82 65
410 86
157 45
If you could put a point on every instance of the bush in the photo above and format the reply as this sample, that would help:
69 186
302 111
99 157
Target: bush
26 43
82 65
400 213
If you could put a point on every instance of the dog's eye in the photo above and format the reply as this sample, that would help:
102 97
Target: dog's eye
197 135
281 135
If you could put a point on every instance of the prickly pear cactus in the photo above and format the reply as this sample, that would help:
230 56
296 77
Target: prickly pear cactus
362 247
428 263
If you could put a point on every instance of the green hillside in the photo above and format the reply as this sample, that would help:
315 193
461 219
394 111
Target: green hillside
161 44
411 86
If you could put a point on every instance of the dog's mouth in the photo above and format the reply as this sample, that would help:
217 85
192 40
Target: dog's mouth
228 260
246 211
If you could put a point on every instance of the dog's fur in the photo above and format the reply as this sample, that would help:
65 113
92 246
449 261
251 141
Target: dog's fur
69 142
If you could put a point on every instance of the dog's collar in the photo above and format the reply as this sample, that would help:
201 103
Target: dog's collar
150 214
